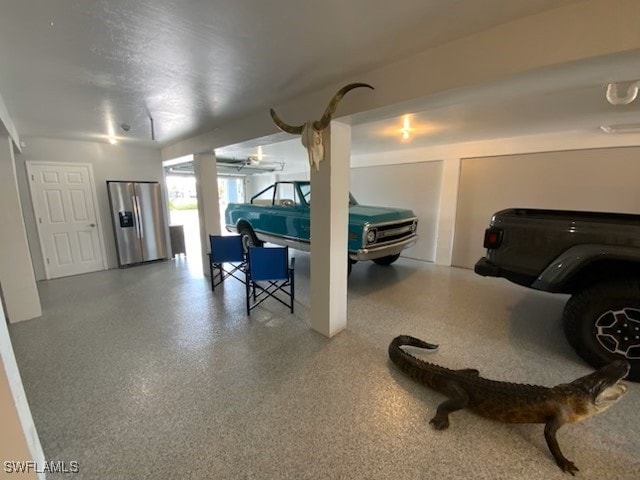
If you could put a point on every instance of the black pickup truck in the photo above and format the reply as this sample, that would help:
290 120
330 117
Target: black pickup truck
594 257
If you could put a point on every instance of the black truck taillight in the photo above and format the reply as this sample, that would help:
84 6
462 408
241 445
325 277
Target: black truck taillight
492 238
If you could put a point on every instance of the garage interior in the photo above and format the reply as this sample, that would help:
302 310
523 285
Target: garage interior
144 372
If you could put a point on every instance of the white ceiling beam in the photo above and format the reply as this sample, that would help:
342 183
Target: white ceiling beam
571 140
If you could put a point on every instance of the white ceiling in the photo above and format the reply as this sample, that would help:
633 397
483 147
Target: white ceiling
80 68
567 98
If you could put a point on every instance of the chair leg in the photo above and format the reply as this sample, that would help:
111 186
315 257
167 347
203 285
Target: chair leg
248 294
213 285
293 291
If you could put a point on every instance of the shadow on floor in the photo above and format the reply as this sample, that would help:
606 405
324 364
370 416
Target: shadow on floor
536 321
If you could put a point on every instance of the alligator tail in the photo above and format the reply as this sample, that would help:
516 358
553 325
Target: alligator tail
421 371
412 342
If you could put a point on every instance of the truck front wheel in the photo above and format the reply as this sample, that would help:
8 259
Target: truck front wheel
249 238
602 324
388 260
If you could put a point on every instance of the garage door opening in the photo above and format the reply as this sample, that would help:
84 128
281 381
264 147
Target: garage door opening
184 223
230 190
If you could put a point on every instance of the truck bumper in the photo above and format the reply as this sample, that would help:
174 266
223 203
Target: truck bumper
487 269
383 250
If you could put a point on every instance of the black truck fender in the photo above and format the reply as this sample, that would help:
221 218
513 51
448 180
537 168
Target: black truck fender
576 259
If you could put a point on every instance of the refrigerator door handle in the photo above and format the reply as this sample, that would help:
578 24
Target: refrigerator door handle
136 200
136 215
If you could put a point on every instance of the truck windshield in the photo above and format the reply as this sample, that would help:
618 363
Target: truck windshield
305 190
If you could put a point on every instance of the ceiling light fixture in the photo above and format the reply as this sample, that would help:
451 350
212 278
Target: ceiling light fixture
260 153
406 128
616 95
621 128
111 137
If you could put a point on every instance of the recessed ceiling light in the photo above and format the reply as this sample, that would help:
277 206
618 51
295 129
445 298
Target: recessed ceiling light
113 141
406 127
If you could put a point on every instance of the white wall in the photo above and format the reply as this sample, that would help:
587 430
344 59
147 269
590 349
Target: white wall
415 186
110 162
599 180
255 183
17 279
19 439
7 123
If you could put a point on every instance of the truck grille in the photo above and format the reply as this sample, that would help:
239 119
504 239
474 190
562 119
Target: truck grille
391 232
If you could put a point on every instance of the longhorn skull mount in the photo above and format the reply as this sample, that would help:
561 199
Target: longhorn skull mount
312 131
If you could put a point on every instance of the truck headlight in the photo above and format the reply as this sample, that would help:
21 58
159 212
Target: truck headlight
414 227
372 235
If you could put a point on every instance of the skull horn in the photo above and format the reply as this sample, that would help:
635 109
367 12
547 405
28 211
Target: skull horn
283 126
333 104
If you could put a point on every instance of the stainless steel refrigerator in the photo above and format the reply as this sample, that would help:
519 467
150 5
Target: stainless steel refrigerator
138 221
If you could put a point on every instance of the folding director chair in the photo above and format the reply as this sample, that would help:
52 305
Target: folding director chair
226 250
269 266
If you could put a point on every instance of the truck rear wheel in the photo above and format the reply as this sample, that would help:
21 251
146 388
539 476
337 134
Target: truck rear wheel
388 260
249 238
602 324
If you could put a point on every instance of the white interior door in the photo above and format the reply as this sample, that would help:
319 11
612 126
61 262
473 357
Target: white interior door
66 213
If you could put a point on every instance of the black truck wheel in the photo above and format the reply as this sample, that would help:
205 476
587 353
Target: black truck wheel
249 238
388 260
602 323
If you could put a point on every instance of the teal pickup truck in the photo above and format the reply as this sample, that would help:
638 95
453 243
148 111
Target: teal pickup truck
280 214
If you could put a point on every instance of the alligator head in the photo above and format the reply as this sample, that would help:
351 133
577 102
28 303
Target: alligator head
602 388
312 131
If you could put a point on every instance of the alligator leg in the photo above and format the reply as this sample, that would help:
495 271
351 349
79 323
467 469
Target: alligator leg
550 430
458 399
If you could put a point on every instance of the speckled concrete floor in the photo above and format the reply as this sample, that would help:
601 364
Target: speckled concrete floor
144 373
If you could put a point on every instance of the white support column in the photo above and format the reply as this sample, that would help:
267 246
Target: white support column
447 210
329 232
17 279
208 204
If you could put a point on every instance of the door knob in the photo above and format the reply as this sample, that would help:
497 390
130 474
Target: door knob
92 224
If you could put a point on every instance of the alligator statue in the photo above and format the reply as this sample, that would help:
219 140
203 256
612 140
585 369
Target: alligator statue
513 402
